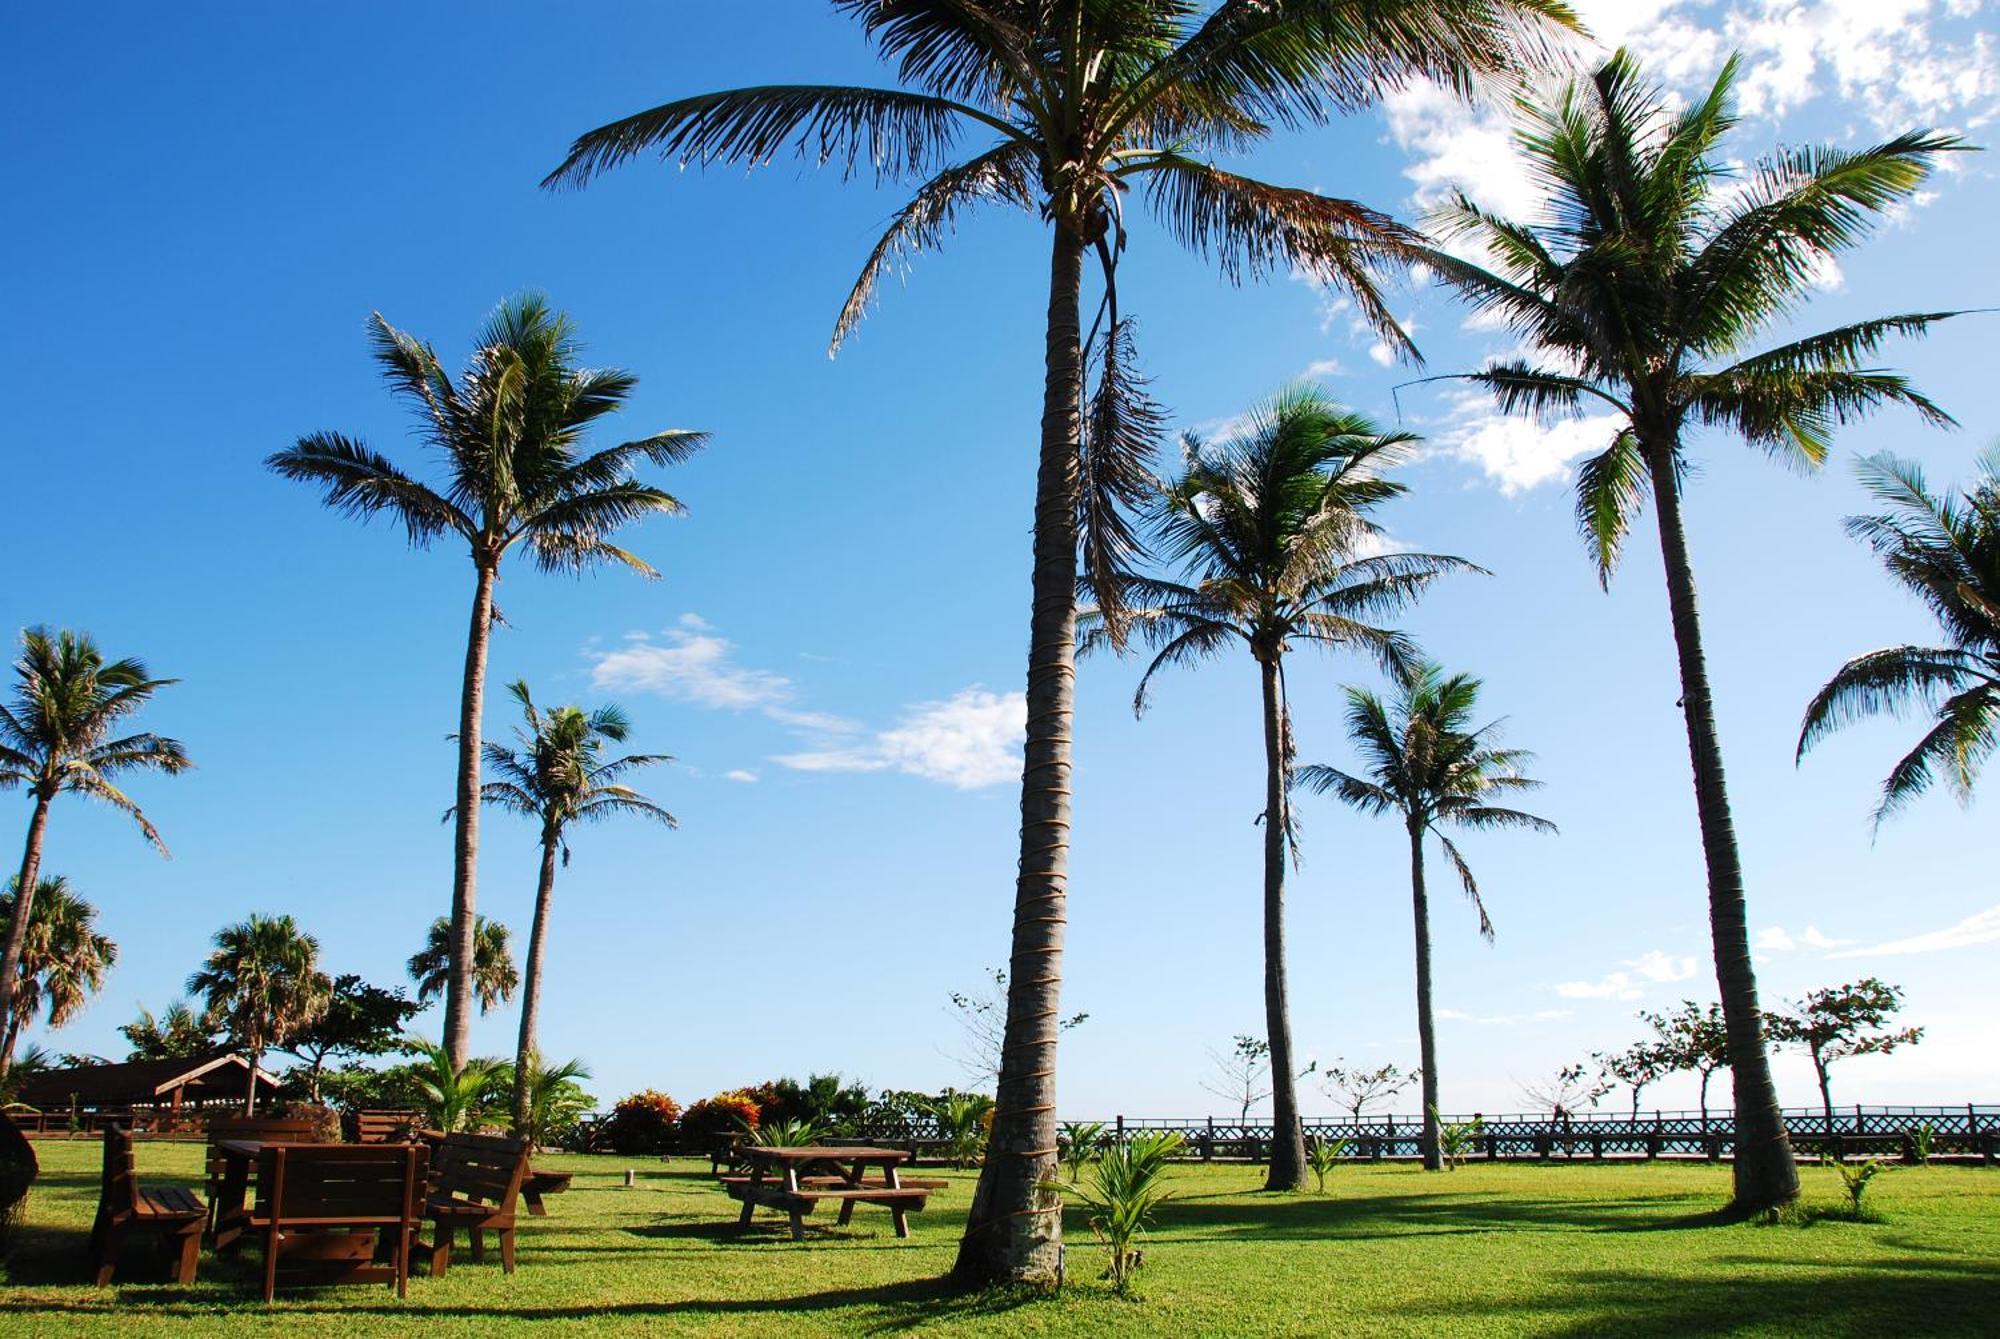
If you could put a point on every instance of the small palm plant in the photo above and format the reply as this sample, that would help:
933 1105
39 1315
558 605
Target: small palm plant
555 1098
1456 1139
1854 1179
1946 551
452 1095
1923 1141
1125 1189
1081 1141
962 1124
798 1132
1323 1155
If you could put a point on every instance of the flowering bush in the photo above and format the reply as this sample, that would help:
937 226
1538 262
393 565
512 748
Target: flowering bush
642 1123
715 1118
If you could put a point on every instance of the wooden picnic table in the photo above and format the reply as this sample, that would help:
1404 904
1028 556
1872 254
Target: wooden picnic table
232 1195
795 1180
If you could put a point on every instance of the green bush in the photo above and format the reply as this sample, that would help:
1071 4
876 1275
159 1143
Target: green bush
643 1123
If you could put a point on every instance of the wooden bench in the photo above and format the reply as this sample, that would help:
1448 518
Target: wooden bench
386 1127
537 1184
332 1210
124 1207
475 1181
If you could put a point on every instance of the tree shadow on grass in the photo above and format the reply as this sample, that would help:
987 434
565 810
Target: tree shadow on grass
1334 1217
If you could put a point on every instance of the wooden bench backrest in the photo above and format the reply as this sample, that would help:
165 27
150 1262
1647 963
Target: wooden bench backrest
120 1191
386 1127
353 1182
483 1168
267 1129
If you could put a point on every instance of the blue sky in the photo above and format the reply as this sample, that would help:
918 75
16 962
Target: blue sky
206 206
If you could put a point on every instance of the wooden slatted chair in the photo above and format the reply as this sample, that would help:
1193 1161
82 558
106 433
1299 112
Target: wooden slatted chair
331 1213
124 1207
267 1129
475 1184
387 1127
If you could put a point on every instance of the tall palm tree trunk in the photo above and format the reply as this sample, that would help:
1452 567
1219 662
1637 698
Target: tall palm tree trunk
465 834
1288 1146
1765 1174
1427 1066
1012 1235
17 929
531 983
250 1093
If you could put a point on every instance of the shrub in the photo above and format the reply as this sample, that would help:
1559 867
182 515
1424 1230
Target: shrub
1923 1140
642 1123
716 1118
326 1120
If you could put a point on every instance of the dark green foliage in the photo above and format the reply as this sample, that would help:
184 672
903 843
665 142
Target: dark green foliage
360 1020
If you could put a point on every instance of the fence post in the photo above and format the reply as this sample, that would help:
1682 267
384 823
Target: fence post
1121 1129
1208 1144
1860 1126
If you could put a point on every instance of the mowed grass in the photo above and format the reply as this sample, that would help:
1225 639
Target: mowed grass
1487 1250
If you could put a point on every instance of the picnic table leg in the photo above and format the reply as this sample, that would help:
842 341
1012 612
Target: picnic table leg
792 1203
901 1216
750 1195
478 1246
853 1176
533 1199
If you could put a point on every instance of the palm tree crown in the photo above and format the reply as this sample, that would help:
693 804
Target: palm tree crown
263 983
558 773
64 960
1422 758
1947 552
493 973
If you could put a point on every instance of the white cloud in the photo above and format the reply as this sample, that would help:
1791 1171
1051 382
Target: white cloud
1979 928
1775 939
969 740
742 774
1632 978
690 664
1520 453
1324 367
1772 939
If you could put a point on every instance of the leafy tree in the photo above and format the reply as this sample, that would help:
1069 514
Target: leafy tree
1694 1037
1946 551
510 433
1079 103
1839 1021
1274 533
360 1020
262 983
494 976
982 1018
1638 1067
558 775
1356 1089
58 735
63 959
1639 291
1426 762
1243 1074
1561 1095
176 1035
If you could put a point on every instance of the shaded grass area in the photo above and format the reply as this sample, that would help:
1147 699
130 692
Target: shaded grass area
1503 1249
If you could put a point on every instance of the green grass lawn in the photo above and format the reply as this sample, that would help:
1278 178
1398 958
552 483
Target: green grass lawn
1507 1249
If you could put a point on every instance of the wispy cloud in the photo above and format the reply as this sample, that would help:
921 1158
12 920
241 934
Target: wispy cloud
689 663
1776 939
1982 927
742 774
966 741
1632 978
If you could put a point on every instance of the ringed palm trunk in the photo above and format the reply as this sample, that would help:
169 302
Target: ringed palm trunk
1012 1235
17 929
465 833
250 1094
531 982
1426 1029
1288 1148
1765 1175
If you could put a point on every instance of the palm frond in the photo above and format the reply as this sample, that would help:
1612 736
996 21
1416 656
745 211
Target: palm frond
362 483
1122 430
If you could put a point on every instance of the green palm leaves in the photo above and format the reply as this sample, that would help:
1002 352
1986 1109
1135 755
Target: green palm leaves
263 983
1946 551
63 961
494 976
558 773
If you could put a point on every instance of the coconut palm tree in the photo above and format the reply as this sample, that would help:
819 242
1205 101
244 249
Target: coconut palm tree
1423 760
63 961
1639 289
175 1035
1947 552
510 433
263 983
453 1094
1080 101
493 974
1274 534
59 734
559 775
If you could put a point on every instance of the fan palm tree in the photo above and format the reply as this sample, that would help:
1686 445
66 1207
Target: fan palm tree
510 432
1640 287
1080 101
1947 551
174 1035
59 734
493 973
63 961
1273 531
1424 760
263 983
559 775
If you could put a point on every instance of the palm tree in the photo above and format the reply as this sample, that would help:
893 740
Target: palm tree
1081 101
174 1035
1424 760
1947 551
493 975
1272 529
263 983
57 735
510 432
453 1093
63 961
555 1098
559 775
1641 286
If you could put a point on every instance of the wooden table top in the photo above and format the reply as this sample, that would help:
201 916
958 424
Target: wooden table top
822 1153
